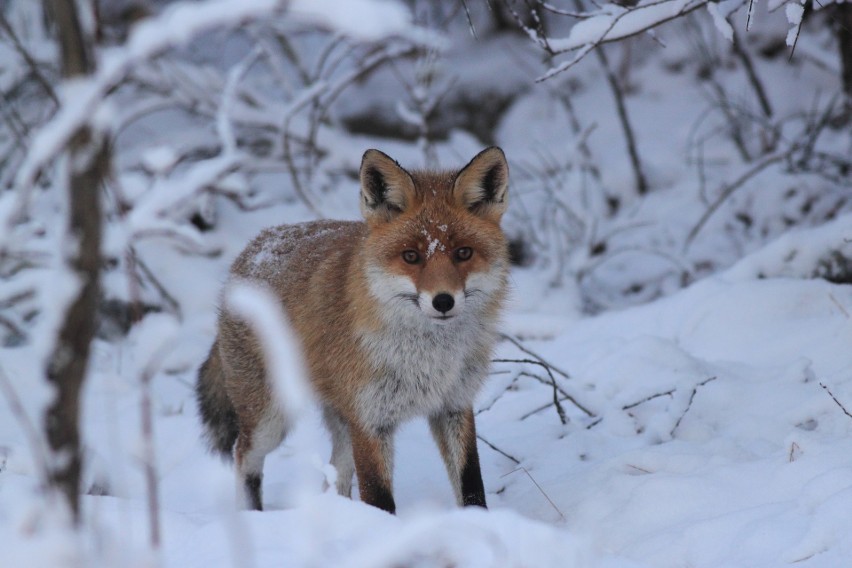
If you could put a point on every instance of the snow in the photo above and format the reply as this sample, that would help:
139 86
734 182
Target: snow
705 431
614 22
362 19
794 13
748 462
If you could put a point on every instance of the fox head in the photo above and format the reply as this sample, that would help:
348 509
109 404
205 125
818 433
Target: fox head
435 250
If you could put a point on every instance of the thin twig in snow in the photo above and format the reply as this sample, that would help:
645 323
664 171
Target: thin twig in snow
542 407
498 450
689 404
517 343
499 396
831 394
794 448
549 500
564 394
646 399
839 305
559 410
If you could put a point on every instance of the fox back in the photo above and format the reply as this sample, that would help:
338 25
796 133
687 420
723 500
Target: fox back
396 316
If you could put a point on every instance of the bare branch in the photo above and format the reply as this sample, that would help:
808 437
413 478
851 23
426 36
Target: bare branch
559 410
625 23
629 137
517 343
28 58
757 167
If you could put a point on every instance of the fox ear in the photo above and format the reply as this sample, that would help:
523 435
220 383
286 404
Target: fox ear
482 185
386 188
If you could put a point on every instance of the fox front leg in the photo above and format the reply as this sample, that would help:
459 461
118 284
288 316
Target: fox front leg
373 455
455 434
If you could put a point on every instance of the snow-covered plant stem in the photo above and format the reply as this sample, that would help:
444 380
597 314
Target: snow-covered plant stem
86 159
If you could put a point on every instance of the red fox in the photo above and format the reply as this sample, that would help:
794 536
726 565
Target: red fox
396 316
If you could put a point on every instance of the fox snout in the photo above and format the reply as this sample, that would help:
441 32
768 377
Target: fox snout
441 306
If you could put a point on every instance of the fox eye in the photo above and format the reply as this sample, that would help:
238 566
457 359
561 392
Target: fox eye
464 253
411 256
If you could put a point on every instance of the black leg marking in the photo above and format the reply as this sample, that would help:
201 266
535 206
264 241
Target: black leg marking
253 482
381 497
473 491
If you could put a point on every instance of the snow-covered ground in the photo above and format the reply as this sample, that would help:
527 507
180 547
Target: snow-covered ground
708 426
714 441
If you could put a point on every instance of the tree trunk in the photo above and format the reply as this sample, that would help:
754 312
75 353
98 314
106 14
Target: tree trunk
87 157
843 23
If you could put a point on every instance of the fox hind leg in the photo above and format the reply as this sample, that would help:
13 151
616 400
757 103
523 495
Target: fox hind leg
455 434
254 442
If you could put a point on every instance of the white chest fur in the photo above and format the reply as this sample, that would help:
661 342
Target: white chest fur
422 369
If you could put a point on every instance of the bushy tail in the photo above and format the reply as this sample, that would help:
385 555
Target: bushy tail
216 410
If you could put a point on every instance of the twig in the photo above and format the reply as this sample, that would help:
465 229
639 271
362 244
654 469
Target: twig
149 455
28 58
646 399
604 36
470 25
748 17
11 326
751 73
839 305
540 408
726 192
488 406
564 394
173 304
517 343
689 404
498 450
629 137
549 500
831 394
559 410
793 448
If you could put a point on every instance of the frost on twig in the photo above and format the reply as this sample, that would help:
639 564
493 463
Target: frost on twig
606 24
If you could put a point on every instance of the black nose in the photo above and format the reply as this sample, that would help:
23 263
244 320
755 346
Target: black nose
443 302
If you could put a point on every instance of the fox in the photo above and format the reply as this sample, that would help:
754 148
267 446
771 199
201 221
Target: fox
396 315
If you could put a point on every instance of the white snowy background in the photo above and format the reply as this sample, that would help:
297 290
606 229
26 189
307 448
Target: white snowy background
702 363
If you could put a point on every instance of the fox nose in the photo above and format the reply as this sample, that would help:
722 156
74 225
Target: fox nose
443 302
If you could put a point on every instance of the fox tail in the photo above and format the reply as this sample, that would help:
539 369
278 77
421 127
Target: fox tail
215 407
